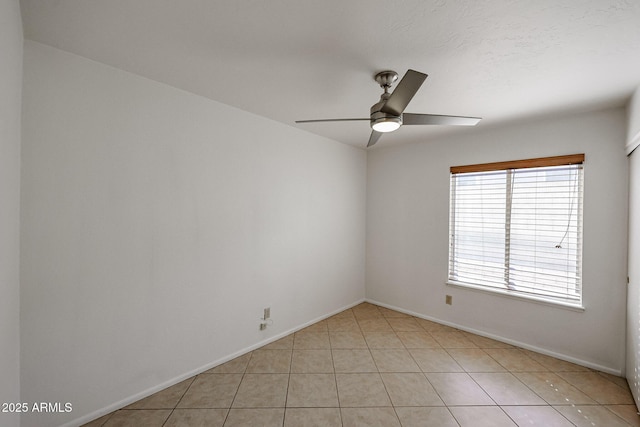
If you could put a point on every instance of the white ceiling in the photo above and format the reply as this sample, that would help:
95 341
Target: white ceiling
300 59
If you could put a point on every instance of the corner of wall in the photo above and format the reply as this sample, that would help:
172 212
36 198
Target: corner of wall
633 285
633 112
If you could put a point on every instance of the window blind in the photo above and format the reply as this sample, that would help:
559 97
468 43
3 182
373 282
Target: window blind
516 227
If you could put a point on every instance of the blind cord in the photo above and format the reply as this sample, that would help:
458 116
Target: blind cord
575 185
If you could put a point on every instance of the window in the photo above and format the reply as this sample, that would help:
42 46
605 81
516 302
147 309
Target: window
516 228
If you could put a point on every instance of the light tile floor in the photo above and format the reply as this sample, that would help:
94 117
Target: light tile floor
371 366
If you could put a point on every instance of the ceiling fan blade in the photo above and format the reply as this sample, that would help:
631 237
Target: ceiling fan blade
375 136
332 120
404 92
435 119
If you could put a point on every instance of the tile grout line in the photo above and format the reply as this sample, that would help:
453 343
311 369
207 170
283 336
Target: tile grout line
179 400
244 372
335 375
380 374
286 394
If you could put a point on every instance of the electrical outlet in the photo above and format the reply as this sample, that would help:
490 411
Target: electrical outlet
448 300
267 313
263 326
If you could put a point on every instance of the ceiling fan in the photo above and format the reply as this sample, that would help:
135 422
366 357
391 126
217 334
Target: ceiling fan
388 114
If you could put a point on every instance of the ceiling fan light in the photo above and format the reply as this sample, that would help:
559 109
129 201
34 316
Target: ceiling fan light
386 124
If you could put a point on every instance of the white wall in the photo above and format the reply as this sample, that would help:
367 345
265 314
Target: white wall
633 296
158 224
10 107
407 235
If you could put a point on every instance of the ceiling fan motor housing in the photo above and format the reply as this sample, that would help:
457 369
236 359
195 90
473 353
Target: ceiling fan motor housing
381 121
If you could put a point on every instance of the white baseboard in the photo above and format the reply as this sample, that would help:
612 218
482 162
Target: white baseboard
173 381
520 344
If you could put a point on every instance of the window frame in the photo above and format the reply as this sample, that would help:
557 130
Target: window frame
508 167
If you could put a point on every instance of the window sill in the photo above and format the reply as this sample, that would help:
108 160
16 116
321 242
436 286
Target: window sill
513 295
